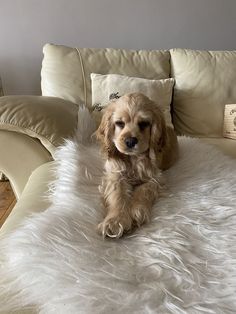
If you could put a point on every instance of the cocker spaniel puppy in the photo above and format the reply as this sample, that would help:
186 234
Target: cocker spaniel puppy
137 144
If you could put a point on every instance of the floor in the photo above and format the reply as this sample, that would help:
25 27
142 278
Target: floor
7 200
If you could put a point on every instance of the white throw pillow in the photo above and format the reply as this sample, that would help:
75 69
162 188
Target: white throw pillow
110 86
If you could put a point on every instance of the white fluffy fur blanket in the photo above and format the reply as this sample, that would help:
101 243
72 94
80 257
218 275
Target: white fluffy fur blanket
183 262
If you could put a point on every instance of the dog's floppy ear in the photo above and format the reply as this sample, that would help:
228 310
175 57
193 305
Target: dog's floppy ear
105 132
158 136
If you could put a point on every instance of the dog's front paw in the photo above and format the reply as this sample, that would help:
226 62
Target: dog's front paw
140 215
115 226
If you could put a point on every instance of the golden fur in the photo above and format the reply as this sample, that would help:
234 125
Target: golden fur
137 144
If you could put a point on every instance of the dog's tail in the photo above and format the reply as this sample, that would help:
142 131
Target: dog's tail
86 126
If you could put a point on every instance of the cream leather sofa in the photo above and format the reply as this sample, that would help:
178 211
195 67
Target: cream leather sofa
31 127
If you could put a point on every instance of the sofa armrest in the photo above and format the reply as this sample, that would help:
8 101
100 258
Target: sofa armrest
20 156
49 119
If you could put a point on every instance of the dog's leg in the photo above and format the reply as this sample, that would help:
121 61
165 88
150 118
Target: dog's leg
117 194
143 199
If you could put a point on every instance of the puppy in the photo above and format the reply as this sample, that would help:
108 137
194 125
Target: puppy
136 143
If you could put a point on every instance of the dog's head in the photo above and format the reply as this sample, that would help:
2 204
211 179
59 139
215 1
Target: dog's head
132 125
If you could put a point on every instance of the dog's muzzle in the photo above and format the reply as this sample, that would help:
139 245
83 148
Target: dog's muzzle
131 142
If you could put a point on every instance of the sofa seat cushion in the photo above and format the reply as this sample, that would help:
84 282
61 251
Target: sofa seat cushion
33 197
204 83
227 146
66 71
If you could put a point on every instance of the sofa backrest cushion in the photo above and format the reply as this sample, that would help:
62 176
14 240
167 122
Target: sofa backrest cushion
66 71
204 82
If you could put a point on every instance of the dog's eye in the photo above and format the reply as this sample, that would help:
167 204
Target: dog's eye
143 125
120 124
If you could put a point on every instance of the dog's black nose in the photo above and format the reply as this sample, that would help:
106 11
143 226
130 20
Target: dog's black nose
131 142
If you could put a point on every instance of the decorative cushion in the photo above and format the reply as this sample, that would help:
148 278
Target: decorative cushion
230 121
48 119
66 71
107 87
205 81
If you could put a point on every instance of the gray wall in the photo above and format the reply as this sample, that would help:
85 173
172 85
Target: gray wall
26 25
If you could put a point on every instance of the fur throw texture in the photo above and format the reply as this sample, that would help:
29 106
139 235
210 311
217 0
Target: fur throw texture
182 262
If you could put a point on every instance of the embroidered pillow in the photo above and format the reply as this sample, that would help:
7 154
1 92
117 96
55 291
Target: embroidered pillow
105 88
